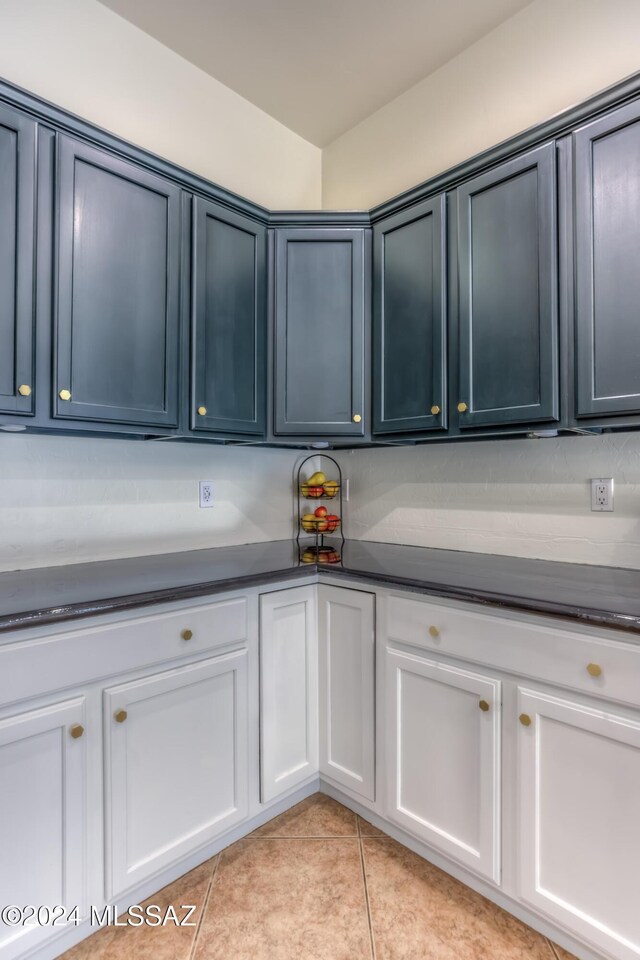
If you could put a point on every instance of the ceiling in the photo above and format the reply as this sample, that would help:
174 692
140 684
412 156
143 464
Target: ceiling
317 66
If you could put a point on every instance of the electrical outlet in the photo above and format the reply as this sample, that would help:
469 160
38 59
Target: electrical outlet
602 494
206 493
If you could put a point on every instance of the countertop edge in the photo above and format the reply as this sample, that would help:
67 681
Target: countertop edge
485 598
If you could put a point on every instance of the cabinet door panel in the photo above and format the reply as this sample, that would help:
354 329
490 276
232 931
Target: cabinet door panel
288 690
347 681
43 772
409 317
579 783
118 290
319 349
229 321
176 765
17 232
443 758
607 223
508 337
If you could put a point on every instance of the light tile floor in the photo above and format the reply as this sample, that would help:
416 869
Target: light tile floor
320 883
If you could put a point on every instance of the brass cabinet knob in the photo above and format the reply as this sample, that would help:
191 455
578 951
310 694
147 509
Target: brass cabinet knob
484 706
525 719
594 669
24 390
434 632
435 409
357 418
202 411
120 716
462 407
186 634
65 395
76 731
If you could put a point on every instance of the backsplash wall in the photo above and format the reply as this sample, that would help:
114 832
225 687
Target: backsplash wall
527 498
68 500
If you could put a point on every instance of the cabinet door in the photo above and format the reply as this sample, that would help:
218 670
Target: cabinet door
579 783
443 758
43 780
320 334
229 321
17 233
508 331
409 320
607 251
176 765
118 304
346 646
288 690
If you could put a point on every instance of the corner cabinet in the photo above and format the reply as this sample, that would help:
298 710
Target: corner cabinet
607 245
346 648
229 302
320 349
409 320
17 247
117 322
508 293
288 690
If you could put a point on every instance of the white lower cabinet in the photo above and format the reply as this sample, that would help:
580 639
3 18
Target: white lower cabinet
443 757
579 817
43 800
346 648
288 690
176 765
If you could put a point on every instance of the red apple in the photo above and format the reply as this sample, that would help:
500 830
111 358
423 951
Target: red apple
320 511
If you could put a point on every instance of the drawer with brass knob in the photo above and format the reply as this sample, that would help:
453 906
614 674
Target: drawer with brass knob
528 645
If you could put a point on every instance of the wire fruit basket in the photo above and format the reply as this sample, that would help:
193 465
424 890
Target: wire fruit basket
319 517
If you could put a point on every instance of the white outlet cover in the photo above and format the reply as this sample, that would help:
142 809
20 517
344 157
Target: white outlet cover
602 494
205 488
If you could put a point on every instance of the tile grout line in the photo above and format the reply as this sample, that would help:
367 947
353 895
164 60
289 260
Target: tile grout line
366 894
205 904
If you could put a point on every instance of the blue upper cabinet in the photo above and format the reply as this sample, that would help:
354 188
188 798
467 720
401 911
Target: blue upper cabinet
508 293
17 244
117 321
409 320
607 264
229 305
320 338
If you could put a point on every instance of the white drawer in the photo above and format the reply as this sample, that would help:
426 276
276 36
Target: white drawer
517 645
34 667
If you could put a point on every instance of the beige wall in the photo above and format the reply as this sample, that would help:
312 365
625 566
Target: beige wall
81 56
527 498
544 59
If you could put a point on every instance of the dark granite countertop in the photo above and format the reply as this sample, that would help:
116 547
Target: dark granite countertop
601 596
